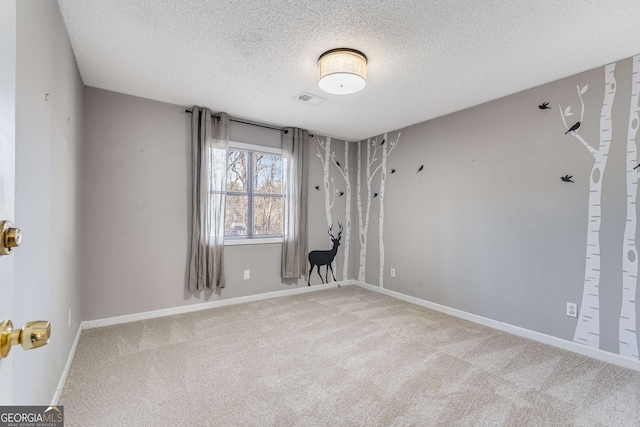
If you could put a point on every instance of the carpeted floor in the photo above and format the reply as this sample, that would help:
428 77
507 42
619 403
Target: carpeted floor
344 356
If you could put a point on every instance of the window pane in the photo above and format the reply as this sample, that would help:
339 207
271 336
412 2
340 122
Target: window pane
237 171
236 221
268 173
268 215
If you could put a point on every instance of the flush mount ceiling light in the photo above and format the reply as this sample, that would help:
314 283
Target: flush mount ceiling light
342 71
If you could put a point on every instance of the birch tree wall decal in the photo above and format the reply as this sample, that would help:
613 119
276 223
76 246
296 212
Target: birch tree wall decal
627 335
588 327
330 190
383 179
363 226
344 171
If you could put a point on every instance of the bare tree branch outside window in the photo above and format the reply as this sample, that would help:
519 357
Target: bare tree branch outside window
254 195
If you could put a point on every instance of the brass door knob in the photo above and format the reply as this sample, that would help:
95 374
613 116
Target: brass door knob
10 238
32 335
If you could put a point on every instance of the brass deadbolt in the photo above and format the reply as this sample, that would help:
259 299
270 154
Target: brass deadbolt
32 335
10 238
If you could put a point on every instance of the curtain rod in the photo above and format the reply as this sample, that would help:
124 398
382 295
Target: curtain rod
245 123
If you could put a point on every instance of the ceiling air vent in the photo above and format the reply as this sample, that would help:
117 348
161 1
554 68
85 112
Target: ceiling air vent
308 98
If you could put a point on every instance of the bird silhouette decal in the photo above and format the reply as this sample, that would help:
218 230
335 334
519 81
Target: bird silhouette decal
317 187
338 164
340 194
567 178
637 166
375 195
420 168
393 171
573 128
382 143
544 106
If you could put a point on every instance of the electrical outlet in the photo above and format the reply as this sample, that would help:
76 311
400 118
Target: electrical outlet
393 272
69 324
572 309
247 274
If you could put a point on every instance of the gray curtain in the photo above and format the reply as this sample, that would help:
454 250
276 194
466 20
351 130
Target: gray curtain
209 148
295 148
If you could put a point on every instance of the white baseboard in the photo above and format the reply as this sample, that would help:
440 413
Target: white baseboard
495 324
89 324
515 330
63 377
595 353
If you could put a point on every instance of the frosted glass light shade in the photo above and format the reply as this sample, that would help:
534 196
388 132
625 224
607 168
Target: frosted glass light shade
342 71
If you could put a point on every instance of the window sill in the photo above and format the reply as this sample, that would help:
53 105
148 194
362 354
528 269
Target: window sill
264 241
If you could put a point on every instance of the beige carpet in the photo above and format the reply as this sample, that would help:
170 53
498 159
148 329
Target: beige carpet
337 357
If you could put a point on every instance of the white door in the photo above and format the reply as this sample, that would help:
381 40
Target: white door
7 172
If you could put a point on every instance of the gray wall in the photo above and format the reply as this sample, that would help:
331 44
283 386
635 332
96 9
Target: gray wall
488 227
136 199
48 140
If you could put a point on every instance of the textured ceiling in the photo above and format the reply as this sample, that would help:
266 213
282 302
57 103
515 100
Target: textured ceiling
426 58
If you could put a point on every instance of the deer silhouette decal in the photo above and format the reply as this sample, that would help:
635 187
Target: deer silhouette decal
320 258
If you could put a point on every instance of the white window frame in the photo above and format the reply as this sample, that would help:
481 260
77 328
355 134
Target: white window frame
228 241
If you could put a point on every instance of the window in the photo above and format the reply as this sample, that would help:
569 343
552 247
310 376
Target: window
254 207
